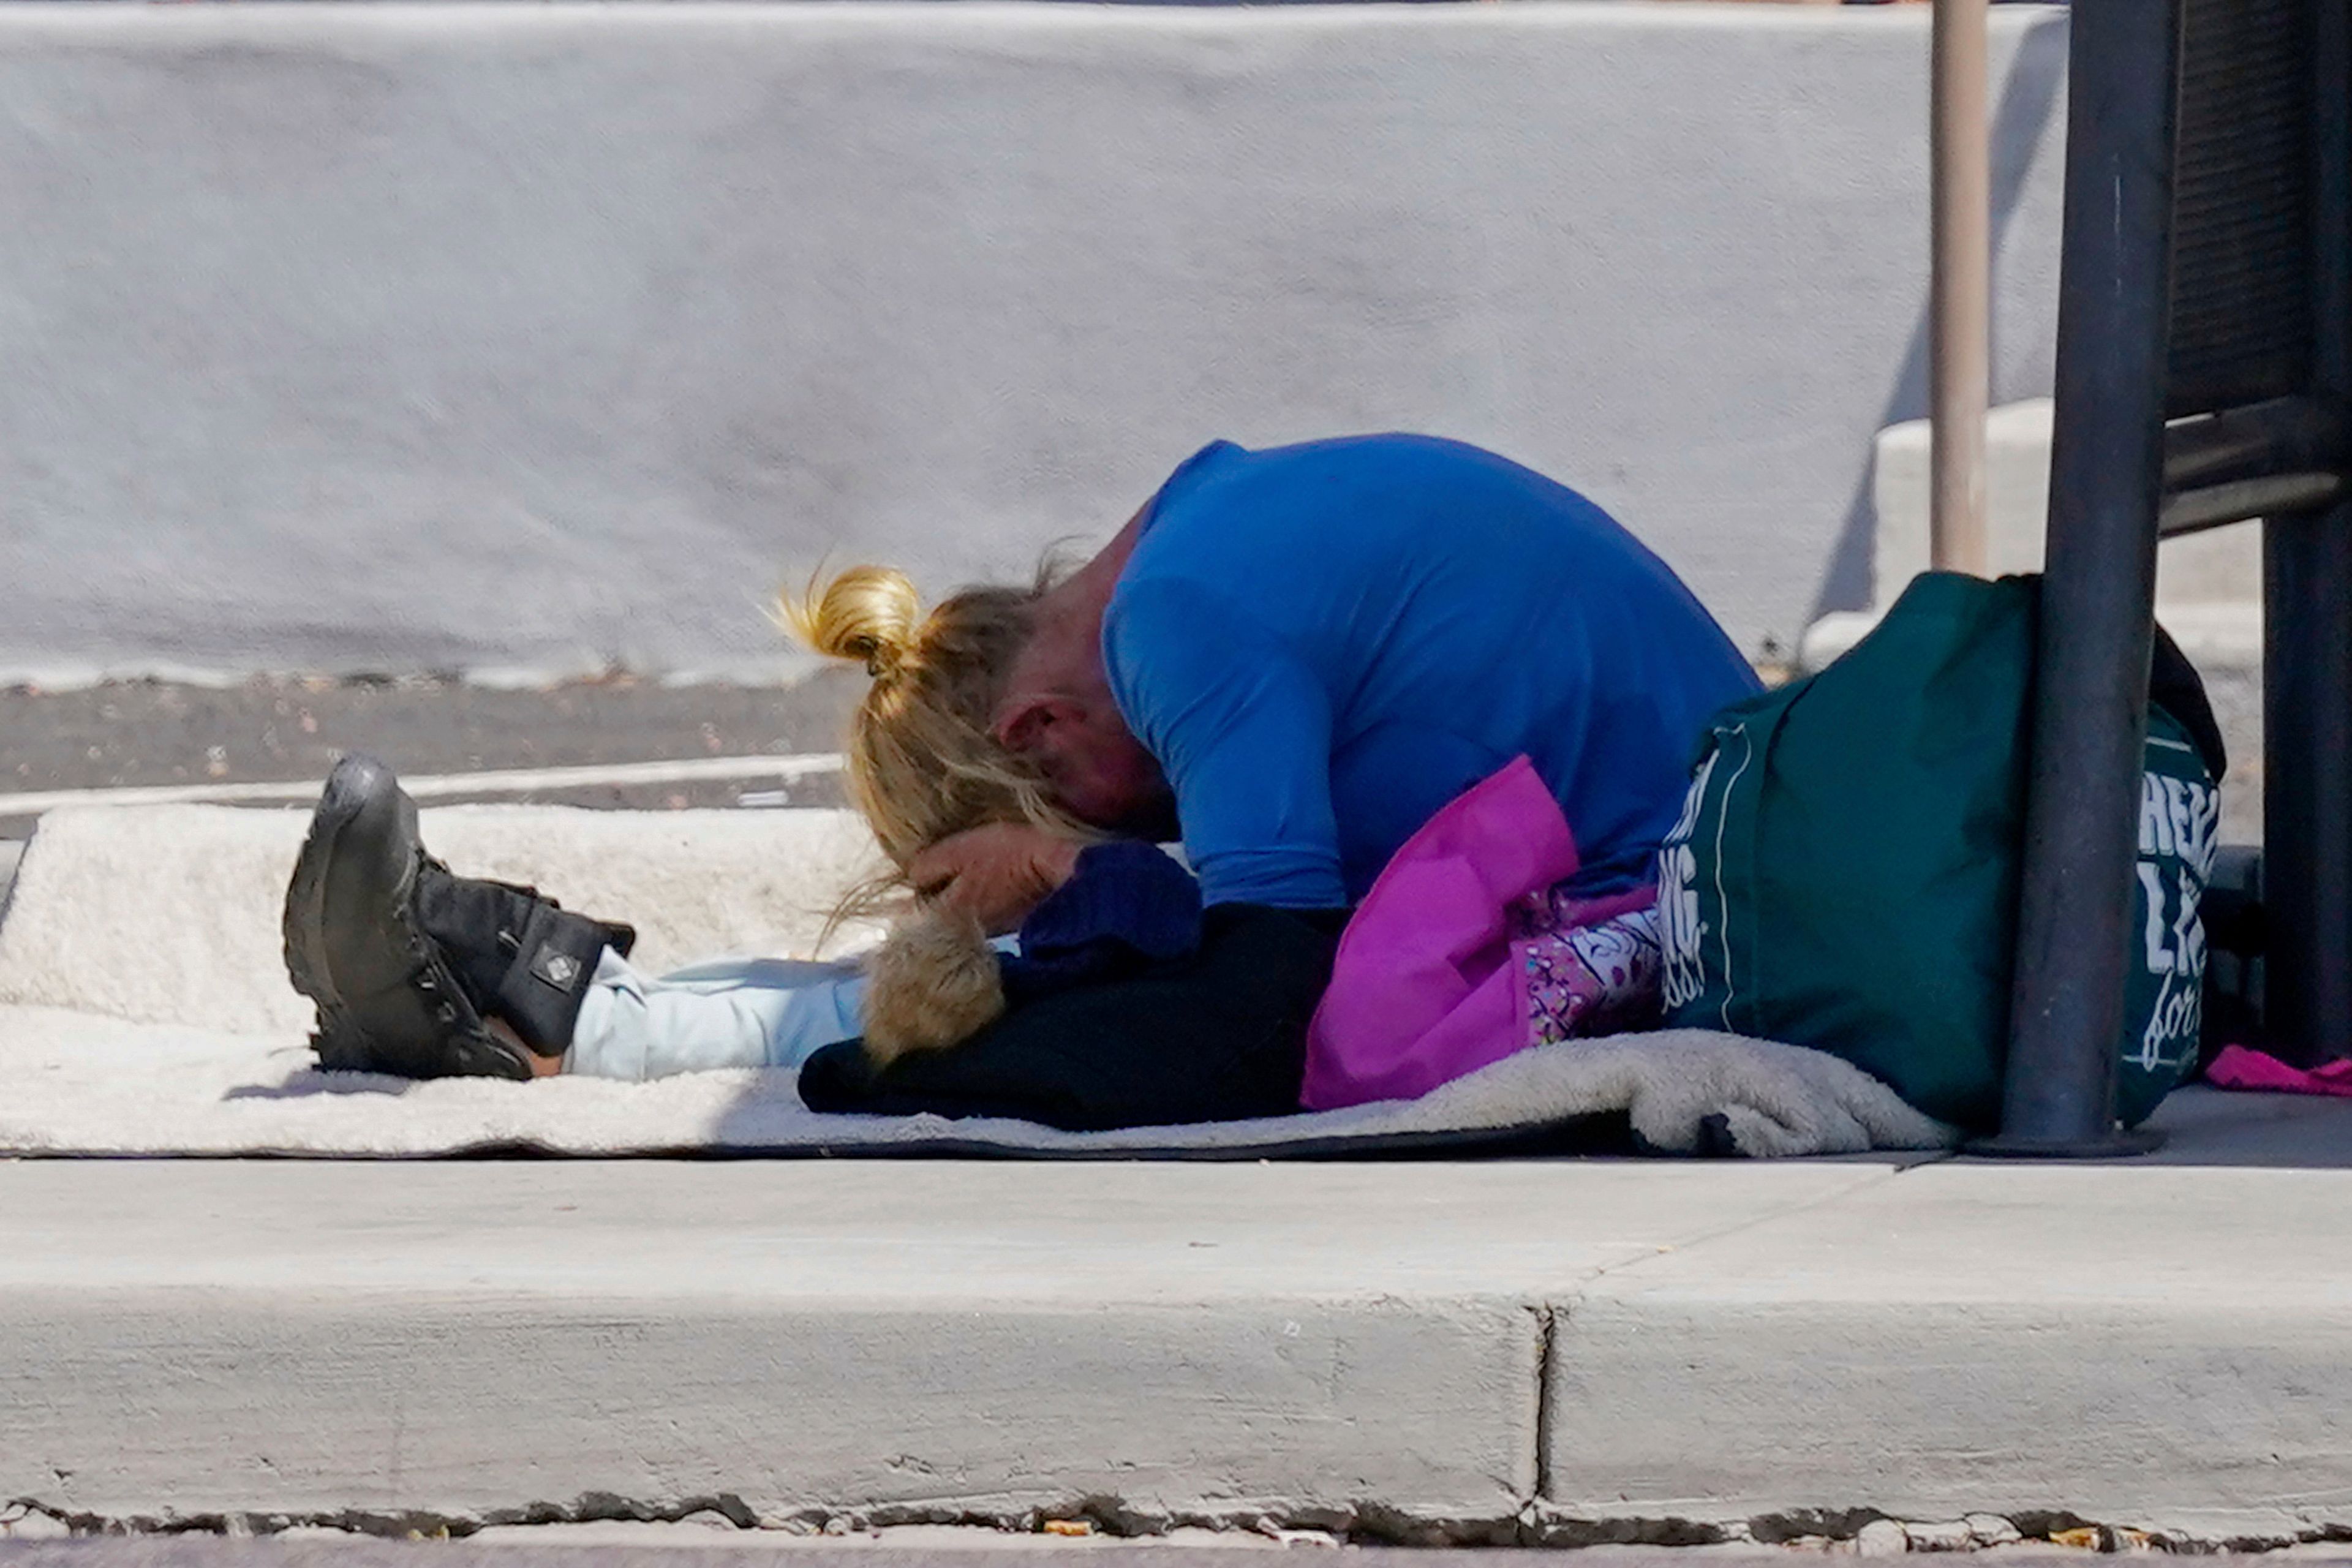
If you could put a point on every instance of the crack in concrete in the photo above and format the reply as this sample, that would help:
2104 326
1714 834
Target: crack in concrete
1875 1176
1546 1326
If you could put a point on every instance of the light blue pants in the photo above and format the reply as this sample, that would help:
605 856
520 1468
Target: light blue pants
735 1013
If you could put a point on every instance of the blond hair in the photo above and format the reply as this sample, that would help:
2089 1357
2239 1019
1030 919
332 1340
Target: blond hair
923 760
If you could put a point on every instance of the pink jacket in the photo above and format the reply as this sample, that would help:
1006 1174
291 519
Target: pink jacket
1427 984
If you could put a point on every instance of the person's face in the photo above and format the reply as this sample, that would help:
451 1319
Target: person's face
1094 767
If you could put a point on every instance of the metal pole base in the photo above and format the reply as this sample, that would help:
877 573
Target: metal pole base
2118 1144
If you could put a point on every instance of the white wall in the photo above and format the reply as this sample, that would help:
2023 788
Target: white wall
2209 585
393 337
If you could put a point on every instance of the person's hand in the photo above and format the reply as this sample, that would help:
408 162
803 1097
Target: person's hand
996 873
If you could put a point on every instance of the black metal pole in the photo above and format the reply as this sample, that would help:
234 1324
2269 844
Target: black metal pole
2307 647
2308 785
2098 597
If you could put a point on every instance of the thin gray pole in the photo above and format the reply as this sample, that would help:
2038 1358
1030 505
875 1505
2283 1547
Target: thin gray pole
2090 711
1960 331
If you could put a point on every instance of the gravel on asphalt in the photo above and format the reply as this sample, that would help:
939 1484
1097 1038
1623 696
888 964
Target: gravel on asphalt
278 727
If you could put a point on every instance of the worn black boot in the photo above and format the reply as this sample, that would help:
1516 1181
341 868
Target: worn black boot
520 956
405 961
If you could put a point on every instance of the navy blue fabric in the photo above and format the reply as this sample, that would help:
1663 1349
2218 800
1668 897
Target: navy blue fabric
1324 643
1126 907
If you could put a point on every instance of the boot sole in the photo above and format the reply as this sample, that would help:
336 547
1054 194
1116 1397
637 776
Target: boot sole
348 790
357 782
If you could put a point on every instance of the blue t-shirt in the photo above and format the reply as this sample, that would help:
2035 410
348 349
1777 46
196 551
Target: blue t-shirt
1324 643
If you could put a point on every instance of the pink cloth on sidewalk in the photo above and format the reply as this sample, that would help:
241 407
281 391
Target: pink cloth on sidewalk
2235 1067
1464 951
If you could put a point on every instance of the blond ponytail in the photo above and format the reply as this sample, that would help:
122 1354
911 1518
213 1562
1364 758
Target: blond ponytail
870 614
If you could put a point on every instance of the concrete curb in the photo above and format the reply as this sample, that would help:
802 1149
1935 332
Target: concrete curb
1511 1352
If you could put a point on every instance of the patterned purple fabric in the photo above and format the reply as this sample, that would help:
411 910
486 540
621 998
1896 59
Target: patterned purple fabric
1585 972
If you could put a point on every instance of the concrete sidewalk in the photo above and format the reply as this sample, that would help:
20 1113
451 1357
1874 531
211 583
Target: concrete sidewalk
1537 1351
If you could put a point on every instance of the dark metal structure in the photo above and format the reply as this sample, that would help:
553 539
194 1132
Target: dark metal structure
2204 375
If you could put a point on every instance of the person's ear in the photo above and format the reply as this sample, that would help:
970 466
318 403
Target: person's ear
1027 724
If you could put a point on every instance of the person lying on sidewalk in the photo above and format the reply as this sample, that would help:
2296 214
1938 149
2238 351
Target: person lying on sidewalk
1289 660
1122 1002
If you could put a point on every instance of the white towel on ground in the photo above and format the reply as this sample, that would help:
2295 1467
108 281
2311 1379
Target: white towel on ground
143 1011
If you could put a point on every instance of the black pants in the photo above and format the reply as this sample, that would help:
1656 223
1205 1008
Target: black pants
1218 1036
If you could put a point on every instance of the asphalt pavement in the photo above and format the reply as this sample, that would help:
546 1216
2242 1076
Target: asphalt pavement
278 727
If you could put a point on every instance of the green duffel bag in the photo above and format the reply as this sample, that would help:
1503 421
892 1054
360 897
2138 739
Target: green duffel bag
1845 872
